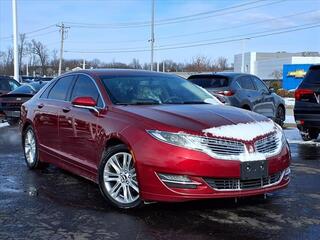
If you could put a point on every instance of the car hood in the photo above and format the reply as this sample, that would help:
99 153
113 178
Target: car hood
192 118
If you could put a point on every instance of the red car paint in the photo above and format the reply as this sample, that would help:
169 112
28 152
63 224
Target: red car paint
75 139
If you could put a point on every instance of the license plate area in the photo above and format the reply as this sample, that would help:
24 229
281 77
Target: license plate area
253 170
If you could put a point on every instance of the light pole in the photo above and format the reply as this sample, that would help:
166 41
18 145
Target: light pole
15 41
152 35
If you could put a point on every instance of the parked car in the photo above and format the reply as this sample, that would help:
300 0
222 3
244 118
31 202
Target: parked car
7 84
307 104
147 136
11 102
244 91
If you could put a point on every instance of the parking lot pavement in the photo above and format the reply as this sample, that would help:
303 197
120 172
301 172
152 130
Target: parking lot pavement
54 204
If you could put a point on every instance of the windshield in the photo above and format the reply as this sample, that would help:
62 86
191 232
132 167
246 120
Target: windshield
154 90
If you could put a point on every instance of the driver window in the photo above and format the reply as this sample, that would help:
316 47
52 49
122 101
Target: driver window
84 87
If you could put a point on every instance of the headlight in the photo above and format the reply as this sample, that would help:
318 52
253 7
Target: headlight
177 139
281 135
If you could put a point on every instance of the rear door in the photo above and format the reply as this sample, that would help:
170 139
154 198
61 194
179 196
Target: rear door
266 104
47 113
79 127
247 95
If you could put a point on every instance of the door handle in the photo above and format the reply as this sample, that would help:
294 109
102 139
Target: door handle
66 109
41 105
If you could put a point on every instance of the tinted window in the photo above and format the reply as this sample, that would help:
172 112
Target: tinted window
313 75
85 87
260 85
210 82
60 89
246 83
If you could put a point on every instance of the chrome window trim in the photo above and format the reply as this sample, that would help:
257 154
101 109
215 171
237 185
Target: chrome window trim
97 87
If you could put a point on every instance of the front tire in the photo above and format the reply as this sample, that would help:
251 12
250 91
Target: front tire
118 179
30 149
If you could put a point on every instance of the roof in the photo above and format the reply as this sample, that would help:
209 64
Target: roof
119 72
223 74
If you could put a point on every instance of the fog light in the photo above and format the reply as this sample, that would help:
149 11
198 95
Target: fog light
178 181
286 174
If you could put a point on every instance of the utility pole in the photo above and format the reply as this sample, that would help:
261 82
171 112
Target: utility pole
63 31
163 66
152 35
15 41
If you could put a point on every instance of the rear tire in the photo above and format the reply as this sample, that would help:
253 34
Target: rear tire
117 178
309 134
30 149
280 116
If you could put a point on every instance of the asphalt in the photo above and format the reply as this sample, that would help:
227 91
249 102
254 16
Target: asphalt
54 204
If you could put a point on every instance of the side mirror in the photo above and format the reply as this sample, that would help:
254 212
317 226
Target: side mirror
86 103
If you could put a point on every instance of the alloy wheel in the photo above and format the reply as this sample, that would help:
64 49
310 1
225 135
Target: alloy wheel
119 176
30 147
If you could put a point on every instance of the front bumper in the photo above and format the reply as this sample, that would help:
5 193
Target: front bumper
155 157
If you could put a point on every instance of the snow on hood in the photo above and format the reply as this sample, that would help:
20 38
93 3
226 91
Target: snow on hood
242 131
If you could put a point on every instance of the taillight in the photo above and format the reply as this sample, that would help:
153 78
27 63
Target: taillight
301 92
226 93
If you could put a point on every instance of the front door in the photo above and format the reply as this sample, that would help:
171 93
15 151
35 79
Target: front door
79 127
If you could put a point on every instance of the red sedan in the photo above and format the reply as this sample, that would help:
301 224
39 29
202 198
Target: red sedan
146 136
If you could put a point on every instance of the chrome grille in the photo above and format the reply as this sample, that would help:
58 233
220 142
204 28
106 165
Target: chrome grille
268 145
237 184
223 147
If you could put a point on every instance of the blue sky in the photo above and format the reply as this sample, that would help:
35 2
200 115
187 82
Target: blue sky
223 25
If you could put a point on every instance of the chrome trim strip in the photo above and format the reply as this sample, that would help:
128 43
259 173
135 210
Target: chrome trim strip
239 189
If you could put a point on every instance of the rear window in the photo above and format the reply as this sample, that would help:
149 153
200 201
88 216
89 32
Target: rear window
210 82
313 75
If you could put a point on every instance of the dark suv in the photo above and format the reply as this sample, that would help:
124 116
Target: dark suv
307 104
244 91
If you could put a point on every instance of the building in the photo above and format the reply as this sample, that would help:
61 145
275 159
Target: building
269 66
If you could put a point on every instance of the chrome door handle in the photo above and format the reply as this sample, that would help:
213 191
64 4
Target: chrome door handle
41 105
65 109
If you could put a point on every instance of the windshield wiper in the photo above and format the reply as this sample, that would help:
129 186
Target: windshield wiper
140 103
194 102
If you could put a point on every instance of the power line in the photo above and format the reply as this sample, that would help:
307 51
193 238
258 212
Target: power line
34 31
207 31
179 19
271 33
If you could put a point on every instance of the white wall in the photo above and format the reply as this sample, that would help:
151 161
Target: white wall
265 68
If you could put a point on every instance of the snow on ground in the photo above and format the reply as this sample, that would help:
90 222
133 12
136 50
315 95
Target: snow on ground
289 102
3 124
294 137
289 119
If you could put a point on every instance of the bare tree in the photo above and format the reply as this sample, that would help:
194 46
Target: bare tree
199 64
222 64
135 64
276 74
41 51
